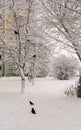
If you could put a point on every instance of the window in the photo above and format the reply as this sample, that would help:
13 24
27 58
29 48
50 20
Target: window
0 16
9 7
0 67
0 5
10 68
0 57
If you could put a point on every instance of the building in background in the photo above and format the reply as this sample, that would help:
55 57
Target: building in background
6 26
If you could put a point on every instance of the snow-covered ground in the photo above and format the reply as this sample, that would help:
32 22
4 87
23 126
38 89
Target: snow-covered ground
54 110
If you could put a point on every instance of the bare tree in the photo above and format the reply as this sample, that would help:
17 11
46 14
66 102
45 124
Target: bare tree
62 18
23 38
16 39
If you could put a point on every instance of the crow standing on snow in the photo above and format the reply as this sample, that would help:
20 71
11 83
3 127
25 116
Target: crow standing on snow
33 111
31 103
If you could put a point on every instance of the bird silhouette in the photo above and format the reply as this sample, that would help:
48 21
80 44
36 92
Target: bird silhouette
33 111
16 32
31 103
34 55
28 40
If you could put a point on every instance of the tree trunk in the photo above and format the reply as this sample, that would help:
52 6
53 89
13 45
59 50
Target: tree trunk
22 80
22 85
79 88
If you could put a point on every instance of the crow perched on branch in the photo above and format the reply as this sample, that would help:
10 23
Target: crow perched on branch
16 32
28 40
34 55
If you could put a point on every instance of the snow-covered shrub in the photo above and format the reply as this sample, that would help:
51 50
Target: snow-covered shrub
42 72
71 91
64 67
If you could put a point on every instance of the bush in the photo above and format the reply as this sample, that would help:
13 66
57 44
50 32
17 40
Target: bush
43 72
71 91
64 67
10 74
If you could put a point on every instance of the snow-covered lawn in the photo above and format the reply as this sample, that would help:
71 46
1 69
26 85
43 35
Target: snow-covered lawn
54 110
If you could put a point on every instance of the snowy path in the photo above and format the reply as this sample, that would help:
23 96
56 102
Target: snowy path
54 111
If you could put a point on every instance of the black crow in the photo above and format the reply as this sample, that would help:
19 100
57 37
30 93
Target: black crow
34 55
16 32
31 103
33 111
28 40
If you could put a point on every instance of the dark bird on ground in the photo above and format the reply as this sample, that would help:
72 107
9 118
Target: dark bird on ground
16 32
31 103
33 111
